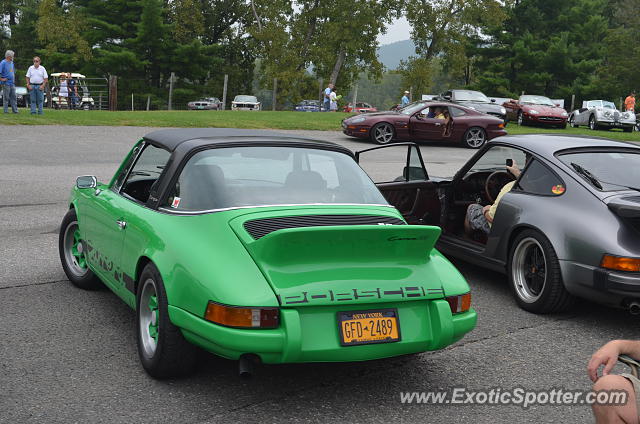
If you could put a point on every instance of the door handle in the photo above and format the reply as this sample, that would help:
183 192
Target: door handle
121 224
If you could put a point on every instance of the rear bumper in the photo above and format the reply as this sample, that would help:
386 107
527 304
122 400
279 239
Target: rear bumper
310 334
599 284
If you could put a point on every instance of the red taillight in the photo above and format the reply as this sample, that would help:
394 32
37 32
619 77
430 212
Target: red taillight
620 263
242 317
459 304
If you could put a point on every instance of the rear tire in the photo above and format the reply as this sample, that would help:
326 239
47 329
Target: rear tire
162 348
592 123
73 254
520 118
534 275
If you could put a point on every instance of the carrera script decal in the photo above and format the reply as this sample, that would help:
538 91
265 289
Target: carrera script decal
95 256
355 294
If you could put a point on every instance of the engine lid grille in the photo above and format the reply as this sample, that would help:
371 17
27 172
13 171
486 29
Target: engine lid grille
259 228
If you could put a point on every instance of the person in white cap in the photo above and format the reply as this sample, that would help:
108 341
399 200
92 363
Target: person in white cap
405 99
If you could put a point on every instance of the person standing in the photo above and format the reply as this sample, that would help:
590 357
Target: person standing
326 104
630 102
73 91
333 99
63 91
36 82
7 80
405 99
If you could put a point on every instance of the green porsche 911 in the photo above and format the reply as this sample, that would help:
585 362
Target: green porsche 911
259 246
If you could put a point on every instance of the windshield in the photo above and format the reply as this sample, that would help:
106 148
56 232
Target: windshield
468 95
536 100
250 99
613 170
608 105
412 108
255 176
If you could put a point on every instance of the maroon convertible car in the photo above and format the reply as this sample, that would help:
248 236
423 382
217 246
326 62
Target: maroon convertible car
417 122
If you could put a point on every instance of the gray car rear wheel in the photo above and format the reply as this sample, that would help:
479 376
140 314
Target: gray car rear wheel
592 123
534 274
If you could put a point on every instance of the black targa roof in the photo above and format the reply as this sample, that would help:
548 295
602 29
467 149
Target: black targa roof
170 139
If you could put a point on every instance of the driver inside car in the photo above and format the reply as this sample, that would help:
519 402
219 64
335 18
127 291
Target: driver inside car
480 218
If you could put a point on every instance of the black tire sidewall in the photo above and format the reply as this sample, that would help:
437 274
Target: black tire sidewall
89 281
174 356
554 295
151 271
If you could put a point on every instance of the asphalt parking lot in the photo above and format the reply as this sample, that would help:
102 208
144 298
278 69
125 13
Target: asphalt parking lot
68 355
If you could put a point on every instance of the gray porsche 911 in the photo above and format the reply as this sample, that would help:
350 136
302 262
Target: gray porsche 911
569 227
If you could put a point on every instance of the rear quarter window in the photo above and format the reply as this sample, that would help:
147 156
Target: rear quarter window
539 179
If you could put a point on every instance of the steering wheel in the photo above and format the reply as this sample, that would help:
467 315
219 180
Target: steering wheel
494 183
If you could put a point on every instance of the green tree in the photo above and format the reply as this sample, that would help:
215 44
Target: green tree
59 29
545 47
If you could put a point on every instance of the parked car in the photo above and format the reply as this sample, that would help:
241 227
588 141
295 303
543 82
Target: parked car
570 227
244 243
205 103
22 97
309 106
243 102
416 122
601 114
538 110
84 101
361 107
475 100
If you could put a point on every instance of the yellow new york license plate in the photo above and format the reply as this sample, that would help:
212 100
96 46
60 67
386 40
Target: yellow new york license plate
366 327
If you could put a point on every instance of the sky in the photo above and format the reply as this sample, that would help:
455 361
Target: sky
397 31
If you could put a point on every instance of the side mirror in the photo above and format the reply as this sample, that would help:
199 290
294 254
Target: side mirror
434 98
87 181
447 97
557 104
493 100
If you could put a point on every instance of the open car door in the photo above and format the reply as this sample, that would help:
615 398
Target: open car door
398 171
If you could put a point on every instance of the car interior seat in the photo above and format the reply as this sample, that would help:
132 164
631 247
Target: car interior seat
309 180
203 188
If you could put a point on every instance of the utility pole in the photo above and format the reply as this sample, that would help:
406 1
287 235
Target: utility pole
171 88
355 97
275 89
224 92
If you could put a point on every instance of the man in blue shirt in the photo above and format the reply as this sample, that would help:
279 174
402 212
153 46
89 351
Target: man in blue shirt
326 104
405 99
7 80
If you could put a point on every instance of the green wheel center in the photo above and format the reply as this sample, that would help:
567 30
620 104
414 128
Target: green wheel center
153 325
77 250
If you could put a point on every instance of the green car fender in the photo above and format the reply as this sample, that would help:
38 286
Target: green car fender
199 260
